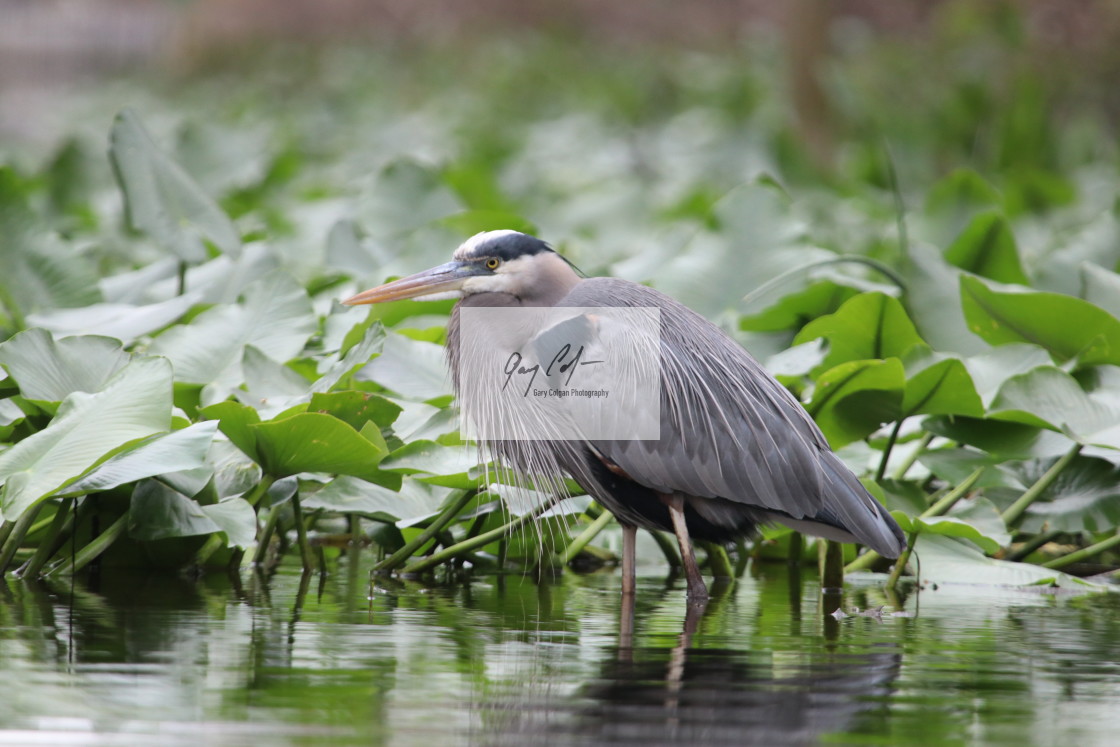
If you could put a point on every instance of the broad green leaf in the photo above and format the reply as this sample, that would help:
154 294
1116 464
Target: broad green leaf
753 237
1101 287
950 526
855 398
933 300
167 452
356 408
954 466
470 222
1010 440
991 369
949 560
235 518
1085 497
134 404
870 326
414 501
413 369
274 316
37 270
235 420
125 322
944 388
987 248
451 466
1066 326
158 512
1048 397
405 196
797 309
355 357
314 442
797 361
268 380
954 200
162 199
49 370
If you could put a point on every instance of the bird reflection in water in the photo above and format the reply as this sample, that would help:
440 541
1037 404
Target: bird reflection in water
686 694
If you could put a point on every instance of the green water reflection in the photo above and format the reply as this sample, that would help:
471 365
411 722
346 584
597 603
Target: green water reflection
145 659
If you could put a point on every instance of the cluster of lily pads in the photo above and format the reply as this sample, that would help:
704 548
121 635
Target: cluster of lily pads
180 386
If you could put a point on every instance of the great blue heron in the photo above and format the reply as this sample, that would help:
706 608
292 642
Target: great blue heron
736 449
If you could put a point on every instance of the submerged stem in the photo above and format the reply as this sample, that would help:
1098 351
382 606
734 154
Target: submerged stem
1084 553
900 564
47 546
865 561
575 547
442 520
90 552
16 535
481 540
305 555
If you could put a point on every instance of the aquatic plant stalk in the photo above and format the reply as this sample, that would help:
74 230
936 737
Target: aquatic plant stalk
865 561
305 555
1032 544
266 535
831 564
718 560
481 540
668 549
900 564
1084 553
438 523
882 471
47 546
909 462
575 547
15 537
1014 513
91 551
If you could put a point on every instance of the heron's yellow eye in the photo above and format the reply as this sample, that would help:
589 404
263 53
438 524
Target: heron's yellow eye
493 263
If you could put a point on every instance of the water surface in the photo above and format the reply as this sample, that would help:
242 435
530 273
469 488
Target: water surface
136 659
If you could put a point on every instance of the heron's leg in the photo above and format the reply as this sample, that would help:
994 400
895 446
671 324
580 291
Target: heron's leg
696 588
629 539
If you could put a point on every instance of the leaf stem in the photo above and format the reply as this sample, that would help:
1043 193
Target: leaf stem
718 560
919 449
575 547
865 561
15 538
1032 544
90 552
882 471
668 548
1014 513
305 555
265 538
47 545
481 540
1084 553
900 564
454 508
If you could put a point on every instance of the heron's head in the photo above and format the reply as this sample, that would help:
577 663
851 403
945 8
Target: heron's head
505 262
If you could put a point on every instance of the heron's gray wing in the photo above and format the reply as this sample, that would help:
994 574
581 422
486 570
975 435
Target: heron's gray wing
727 428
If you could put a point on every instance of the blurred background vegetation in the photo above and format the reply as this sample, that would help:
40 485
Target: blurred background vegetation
707 148
994 84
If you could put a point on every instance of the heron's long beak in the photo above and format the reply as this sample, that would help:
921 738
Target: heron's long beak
447 278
